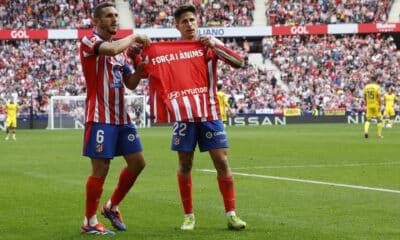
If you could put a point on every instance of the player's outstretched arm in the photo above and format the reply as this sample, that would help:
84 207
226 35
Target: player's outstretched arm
223 53
118 46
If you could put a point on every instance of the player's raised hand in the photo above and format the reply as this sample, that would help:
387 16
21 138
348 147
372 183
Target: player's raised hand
142 61
134 50
207 41
144 40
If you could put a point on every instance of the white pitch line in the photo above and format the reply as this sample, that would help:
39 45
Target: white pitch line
321 165
309 181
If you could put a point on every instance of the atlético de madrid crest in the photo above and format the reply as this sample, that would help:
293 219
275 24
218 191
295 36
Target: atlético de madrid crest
99 147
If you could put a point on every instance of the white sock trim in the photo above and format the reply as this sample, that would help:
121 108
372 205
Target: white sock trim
230 213
91 222
110 206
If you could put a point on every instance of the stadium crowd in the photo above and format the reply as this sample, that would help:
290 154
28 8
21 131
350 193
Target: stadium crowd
71 14
330 71
326 12
45 14
159 13
32 71
324 72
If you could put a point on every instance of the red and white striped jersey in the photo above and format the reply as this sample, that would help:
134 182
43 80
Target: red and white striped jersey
183 80
104 83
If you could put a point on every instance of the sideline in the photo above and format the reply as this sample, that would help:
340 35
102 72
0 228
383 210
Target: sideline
321 165
308 181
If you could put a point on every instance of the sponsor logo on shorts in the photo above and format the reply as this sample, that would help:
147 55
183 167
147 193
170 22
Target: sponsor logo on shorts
99 147
219 133
210 135
131 137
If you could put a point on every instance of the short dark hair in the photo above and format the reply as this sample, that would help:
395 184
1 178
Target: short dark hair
99 7
184 8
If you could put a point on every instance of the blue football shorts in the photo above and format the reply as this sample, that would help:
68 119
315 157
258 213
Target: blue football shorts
108 141
208 135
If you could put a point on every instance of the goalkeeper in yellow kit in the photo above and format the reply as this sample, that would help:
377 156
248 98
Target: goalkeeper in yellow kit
11 122
372 96
388 115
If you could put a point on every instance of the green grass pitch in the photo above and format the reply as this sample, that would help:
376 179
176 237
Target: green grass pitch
317 181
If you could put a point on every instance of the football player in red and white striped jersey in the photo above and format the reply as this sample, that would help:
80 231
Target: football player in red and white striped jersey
109 131
195 125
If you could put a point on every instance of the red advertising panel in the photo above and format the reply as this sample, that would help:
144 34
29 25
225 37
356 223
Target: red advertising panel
23 34
120 34
300 30
378 27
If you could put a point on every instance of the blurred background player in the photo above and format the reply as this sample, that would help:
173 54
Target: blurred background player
390 99
372 96
224 106
11 121
109 131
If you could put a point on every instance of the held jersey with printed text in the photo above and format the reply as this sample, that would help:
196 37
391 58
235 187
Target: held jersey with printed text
183 78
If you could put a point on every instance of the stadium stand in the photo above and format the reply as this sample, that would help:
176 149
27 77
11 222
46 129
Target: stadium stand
326 12
159 13
39 14
330 71
36 70
307 71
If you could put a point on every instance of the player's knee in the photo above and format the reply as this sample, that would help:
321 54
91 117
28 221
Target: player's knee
135 163
223 170
100 171
185 167
141 165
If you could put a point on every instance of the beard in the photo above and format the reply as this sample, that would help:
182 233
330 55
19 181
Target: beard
111 31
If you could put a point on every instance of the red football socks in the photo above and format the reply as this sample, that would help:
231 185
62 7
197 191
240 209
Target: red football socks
228 192
185 188
94 188
125 182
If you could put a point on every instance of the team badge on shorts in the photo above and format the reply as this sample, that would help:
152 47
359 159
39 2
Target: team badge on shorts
177 141
99 148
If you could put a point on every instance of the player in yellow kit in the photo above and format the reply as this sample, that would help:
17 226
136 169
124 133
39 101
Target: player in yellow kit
388 115
224 106
11 122
372 96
